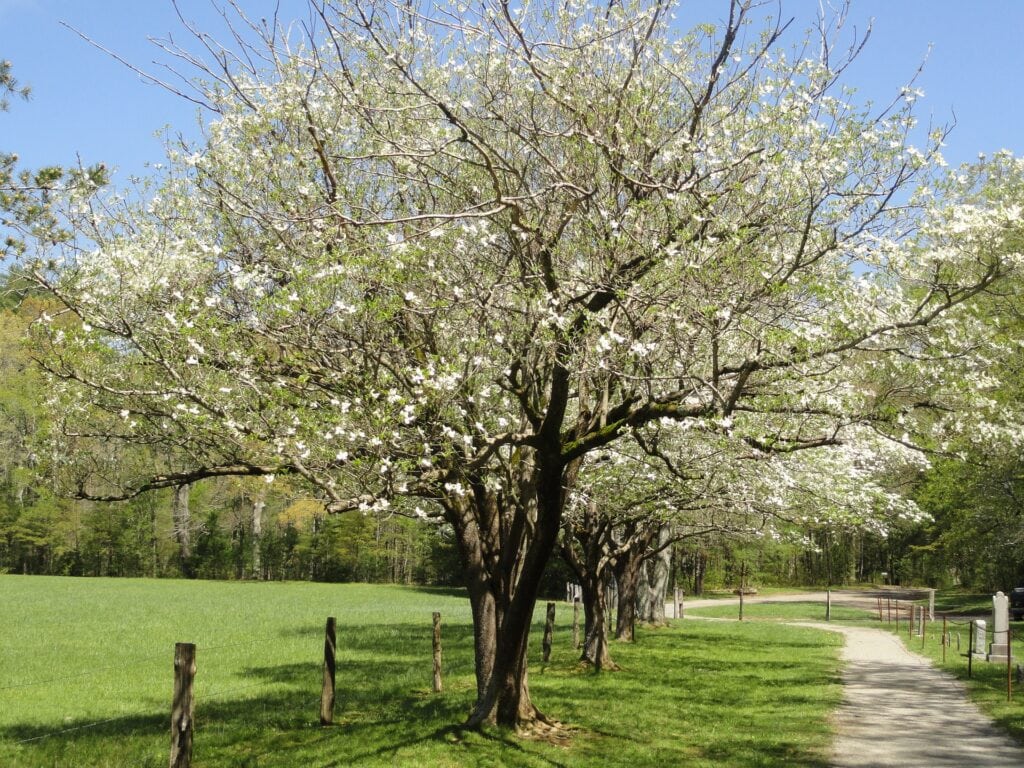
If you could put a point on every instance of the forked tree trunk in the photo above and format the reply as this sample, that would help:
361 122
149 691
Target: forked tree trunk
504 551
627 575
595 624
658 572
644 594
586 547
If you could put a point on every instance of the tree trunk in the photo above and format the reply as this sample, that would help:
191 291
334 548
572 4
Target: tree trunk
182 520
658 572
505 545
595 624
586 547
700 565
627 571
257 536
644 594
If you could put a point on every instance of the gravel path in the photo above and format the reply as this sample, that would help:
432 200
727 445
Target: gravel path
898 710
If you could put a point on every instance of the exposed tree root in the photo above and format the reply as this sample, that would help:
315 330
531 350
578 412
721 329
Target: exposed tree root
542 728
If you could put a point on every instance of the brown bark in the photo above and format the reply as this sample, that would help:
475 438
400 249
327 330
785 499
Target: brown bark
700 564
585 548
595 626
659 571
627 571
505 542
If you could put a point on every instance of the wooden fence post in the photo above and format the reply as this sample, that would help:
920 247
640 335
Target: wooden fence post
183 705
970 649
327 693
743 584
437 652
828 605
575 622
549 631
678 612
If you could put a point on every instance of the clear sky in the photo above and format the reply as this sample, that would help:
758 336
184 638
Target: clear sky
86 104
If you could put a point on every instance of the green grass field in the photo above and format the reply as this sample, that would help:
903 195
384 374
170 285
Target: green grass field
86 680
795 611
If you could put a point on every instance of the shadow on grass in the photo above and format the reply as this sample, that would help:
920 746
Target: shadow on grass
714 697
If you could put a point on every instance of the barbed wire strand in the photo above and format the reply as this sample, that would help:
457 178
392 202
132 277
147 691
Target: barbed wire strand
69 730
142 661
154 659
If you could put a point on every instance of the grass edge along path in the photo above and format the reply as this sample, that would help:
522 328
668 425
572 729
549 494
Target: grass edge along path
987 683
697 694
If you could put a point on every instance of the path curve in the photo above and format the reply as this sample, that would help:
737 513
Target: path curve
899 711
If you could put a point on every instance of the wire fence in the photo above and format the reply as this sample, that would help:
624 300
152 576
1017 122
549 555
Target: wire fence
287 687
961 641
143 670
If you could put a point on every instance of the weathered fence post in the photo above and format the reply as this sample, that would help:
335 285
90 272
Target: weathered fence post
437 652
897 617
879 610
327 692
945 639
576 622
549 631
970 650
924 627
743 581
931 605
828 605
678 612
183 705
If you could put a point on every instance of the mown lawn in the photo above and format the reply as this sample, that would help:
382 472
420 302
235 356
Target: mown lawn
86 679
788 611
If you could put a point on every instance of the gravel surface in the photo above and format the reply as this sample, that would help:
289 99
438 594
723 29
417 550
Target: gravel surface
899 710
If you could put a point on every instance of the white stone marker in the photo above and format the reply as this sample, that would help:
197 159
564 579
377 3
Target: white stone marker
979 637
1000 627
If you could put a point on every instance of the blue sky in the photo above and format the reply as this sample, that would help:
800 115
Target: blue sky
86 104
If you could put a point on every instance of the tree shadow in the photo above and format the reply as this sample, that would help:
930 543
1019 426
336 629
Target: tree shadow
387 714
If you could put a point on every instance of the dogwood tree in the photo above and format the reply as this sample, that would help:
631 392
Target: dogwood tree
630 506
431 257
